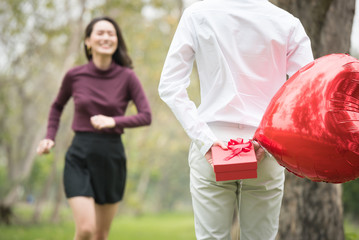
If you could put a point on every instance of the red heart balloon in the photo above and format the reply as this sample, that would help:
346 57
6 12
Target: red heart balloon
311 125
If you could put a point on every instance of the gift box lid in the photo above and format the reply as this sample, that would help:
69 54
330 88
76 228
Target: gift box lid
243 161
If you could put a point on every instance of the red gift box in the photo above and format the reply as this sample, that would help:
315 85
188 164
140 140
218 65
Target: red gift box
236 163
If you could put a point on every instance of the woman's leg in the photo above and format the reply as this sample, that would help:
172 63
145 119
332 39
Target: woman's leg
83 209
104 216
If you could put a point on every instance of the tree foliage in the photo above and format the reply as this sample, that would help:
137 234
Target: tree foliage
40 42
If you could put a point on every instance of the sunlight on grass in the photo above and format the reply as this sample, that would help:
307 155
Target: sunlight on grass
164 226
174 226
38 232
351 230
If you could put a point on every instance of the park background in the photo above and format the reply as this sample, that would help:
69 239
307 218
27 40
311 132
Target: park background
41 39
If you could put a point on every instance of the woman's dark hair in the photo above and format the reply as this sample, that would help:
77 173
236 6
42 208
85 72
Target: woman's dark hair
120 56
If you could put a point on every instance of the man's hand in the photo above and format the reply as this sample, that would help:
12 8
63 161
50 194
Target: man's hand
260 153
208 155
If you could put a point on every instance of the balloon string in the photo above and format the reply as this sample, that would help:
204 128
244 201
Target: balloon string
237 147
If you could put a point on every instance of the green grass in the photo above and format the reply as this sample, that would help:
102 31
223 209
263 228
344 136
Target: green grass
351 229
37 232
174 226
164 226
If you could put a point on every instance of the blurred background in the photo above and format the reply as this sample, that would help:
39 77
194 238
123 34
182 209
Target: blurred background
41 39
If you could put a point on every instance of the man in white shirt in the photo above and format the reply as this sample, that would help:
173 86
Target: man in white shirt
244 50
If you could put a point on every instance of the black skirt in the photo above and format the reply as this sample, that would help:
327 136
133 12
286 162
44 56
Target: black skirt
95 167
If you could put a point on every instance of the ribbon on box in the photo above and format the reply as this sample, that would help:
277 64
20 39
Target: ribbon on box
237 147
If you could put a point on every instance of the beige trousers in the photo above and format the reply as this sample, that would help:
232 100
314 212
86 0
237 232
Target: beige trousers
214 202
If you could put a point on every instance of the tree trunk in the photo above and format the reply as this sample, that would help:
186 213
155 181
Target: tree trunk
6 214
327 22
314 210
311 210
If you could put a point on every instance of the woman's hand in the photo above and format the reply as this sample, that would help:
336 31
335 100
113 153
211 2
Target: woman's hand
44 146
208 155
100 121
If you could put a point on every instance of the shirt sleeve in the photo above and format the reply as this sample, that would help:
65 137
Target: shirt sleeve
299 49
175 79
57 107
137 94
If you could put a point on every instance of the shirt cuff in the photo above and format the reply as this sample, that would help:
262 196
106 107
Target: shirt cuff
205 148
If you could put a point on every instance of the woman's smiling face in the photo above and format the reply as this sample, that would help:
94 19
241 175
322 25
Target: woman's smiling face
103 39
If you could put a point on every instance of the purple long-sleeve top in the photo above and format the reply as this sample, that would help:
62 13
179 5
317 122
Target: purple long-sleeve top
94 92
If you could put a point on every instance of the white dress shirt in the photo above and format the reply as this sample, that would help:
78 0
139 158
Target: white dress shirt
244 50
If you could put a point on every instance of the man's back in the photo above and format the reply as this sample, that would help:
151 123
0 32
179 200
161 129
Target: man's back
242 49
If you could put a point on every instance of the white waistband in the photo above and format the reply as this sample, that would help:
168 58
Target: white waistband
231 125
226 131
